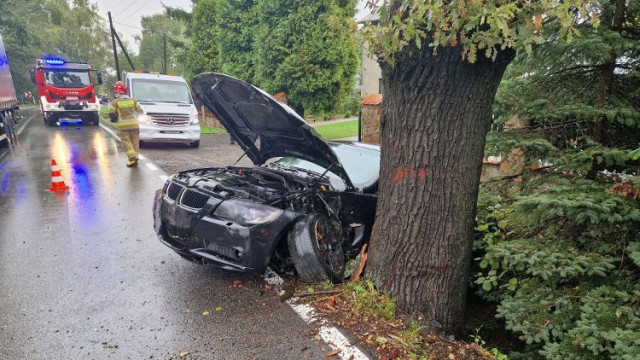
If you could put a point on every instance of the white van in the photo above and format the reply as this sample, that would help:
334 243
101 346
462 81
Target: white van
169 112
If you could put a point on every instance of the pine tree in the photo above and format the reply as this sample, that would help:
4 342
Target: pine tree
558 250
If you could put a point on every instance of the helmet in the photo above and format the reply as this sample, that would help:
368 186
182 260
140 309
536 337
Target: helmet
120 87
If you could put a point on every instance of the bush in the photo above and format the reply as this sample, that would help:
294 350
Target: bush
562 259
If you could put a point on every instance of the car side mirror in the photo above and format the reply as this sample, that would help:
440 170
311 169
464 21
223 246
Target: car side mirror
32 72
99 74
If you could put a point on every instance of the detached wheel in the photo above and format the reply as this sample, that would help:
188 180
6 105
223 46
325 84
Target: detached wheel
315 246
195 144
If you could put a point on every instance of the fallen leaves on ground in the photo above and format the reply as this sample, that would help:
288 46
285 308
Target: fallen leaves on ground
334 352
388 339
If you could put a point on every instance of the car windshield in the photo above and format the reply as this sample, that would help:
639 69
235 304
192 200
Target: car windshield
361 164
68 78
161 91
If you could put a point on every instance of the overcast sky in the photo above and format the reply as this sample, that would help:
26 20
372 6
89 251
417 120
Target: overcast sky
126 14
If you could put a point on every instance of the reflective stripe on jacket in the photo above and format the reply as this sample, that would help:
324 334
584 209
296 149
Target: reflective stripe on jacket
126 109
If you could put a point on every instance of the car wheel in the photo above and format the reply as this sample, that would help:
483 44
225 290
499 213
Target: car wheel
315 246
51 120
4 142
195 144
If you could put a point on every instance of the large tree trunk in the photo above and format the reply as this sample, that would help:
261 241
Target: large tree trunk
436 113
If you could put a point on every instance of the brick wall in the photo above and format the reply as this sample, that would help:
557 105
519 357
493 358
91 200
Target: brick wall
371 124
371 119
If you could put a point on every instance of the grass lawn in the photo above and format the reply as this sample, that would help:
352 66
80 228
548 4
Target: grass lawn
211 130
338 130
104 117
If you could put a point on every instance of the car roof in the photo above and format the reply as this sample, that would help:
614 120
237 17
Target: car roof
150 76
356 144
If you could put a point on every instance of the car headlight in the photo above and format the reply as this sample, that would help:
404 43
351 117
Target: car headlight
246 212
194 119
144 119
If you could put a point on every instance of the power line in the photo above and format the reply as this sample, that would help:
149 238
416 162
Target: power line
125 9
131 26
136 10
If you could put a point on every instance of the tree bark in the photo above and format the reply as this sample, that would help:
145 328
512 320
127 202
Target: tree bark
608 72
436 113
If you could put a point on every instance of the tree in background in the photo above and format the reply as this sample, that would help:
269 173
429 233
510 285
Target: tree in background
305 48
78 32
202 55
151 41
441 67
308 50
237 24
20 39
30 29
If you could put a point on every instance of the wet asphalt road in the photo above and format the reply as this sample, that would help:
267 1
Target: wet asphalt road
82 275
214 151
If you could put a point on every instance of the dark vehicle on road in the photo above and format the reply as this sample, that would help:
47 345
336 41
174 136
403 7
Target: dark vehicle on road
104 99
306 204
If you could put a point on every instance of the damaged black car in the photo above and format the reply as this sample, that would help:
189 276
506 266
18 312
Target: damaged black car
306 205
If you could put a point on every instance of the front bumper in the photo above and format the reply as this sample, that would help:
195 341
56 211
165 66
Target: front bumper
198 236
71 106
187 134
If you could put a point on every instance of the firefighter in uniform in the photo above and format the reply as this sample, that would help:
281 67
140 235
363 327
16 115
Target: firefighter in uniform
123 111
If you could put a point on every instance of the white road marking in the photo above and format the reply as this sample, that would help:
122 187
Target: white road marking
151 166
329 334
163 177
24 125
107 129
140 156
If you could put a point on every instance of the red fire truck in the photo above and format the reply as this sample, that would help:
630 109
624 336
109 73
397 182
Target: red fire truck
66 91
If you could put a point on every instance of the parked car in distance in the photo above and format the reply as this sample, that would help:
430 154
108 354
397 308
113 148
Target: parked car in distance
104 99
307 204
169 115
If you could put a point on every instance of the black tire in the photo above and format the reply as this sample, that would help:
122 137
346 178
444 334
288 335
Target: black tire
51 120
10 127
315 246
93 119
4 142
195 144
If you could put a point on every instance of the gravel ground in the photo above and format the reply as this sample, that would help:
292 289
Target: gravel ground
214 151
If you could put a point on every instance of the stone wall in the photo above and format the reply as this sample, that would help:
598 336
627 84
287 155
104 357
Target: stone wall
371 119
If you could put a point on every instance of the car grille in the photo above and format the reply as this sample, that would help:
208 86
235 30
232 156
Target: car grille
173 191
223 250
169 120
194 199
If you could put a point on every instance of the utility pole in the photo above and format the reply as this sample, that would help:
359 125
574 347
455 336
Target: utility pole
115 50
124 50
164 65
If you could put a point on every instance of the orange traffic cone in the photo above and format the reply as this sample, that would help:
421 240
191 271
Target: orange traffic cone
57 183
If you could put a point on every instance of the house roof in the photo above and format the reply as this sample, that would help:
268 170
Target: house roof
280 96
373 99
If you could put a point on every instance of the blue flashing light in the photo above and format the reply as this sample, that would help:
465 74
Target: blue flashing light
52 61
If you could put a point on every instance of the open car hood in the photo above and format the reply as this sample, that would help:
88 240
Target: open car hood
254 117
